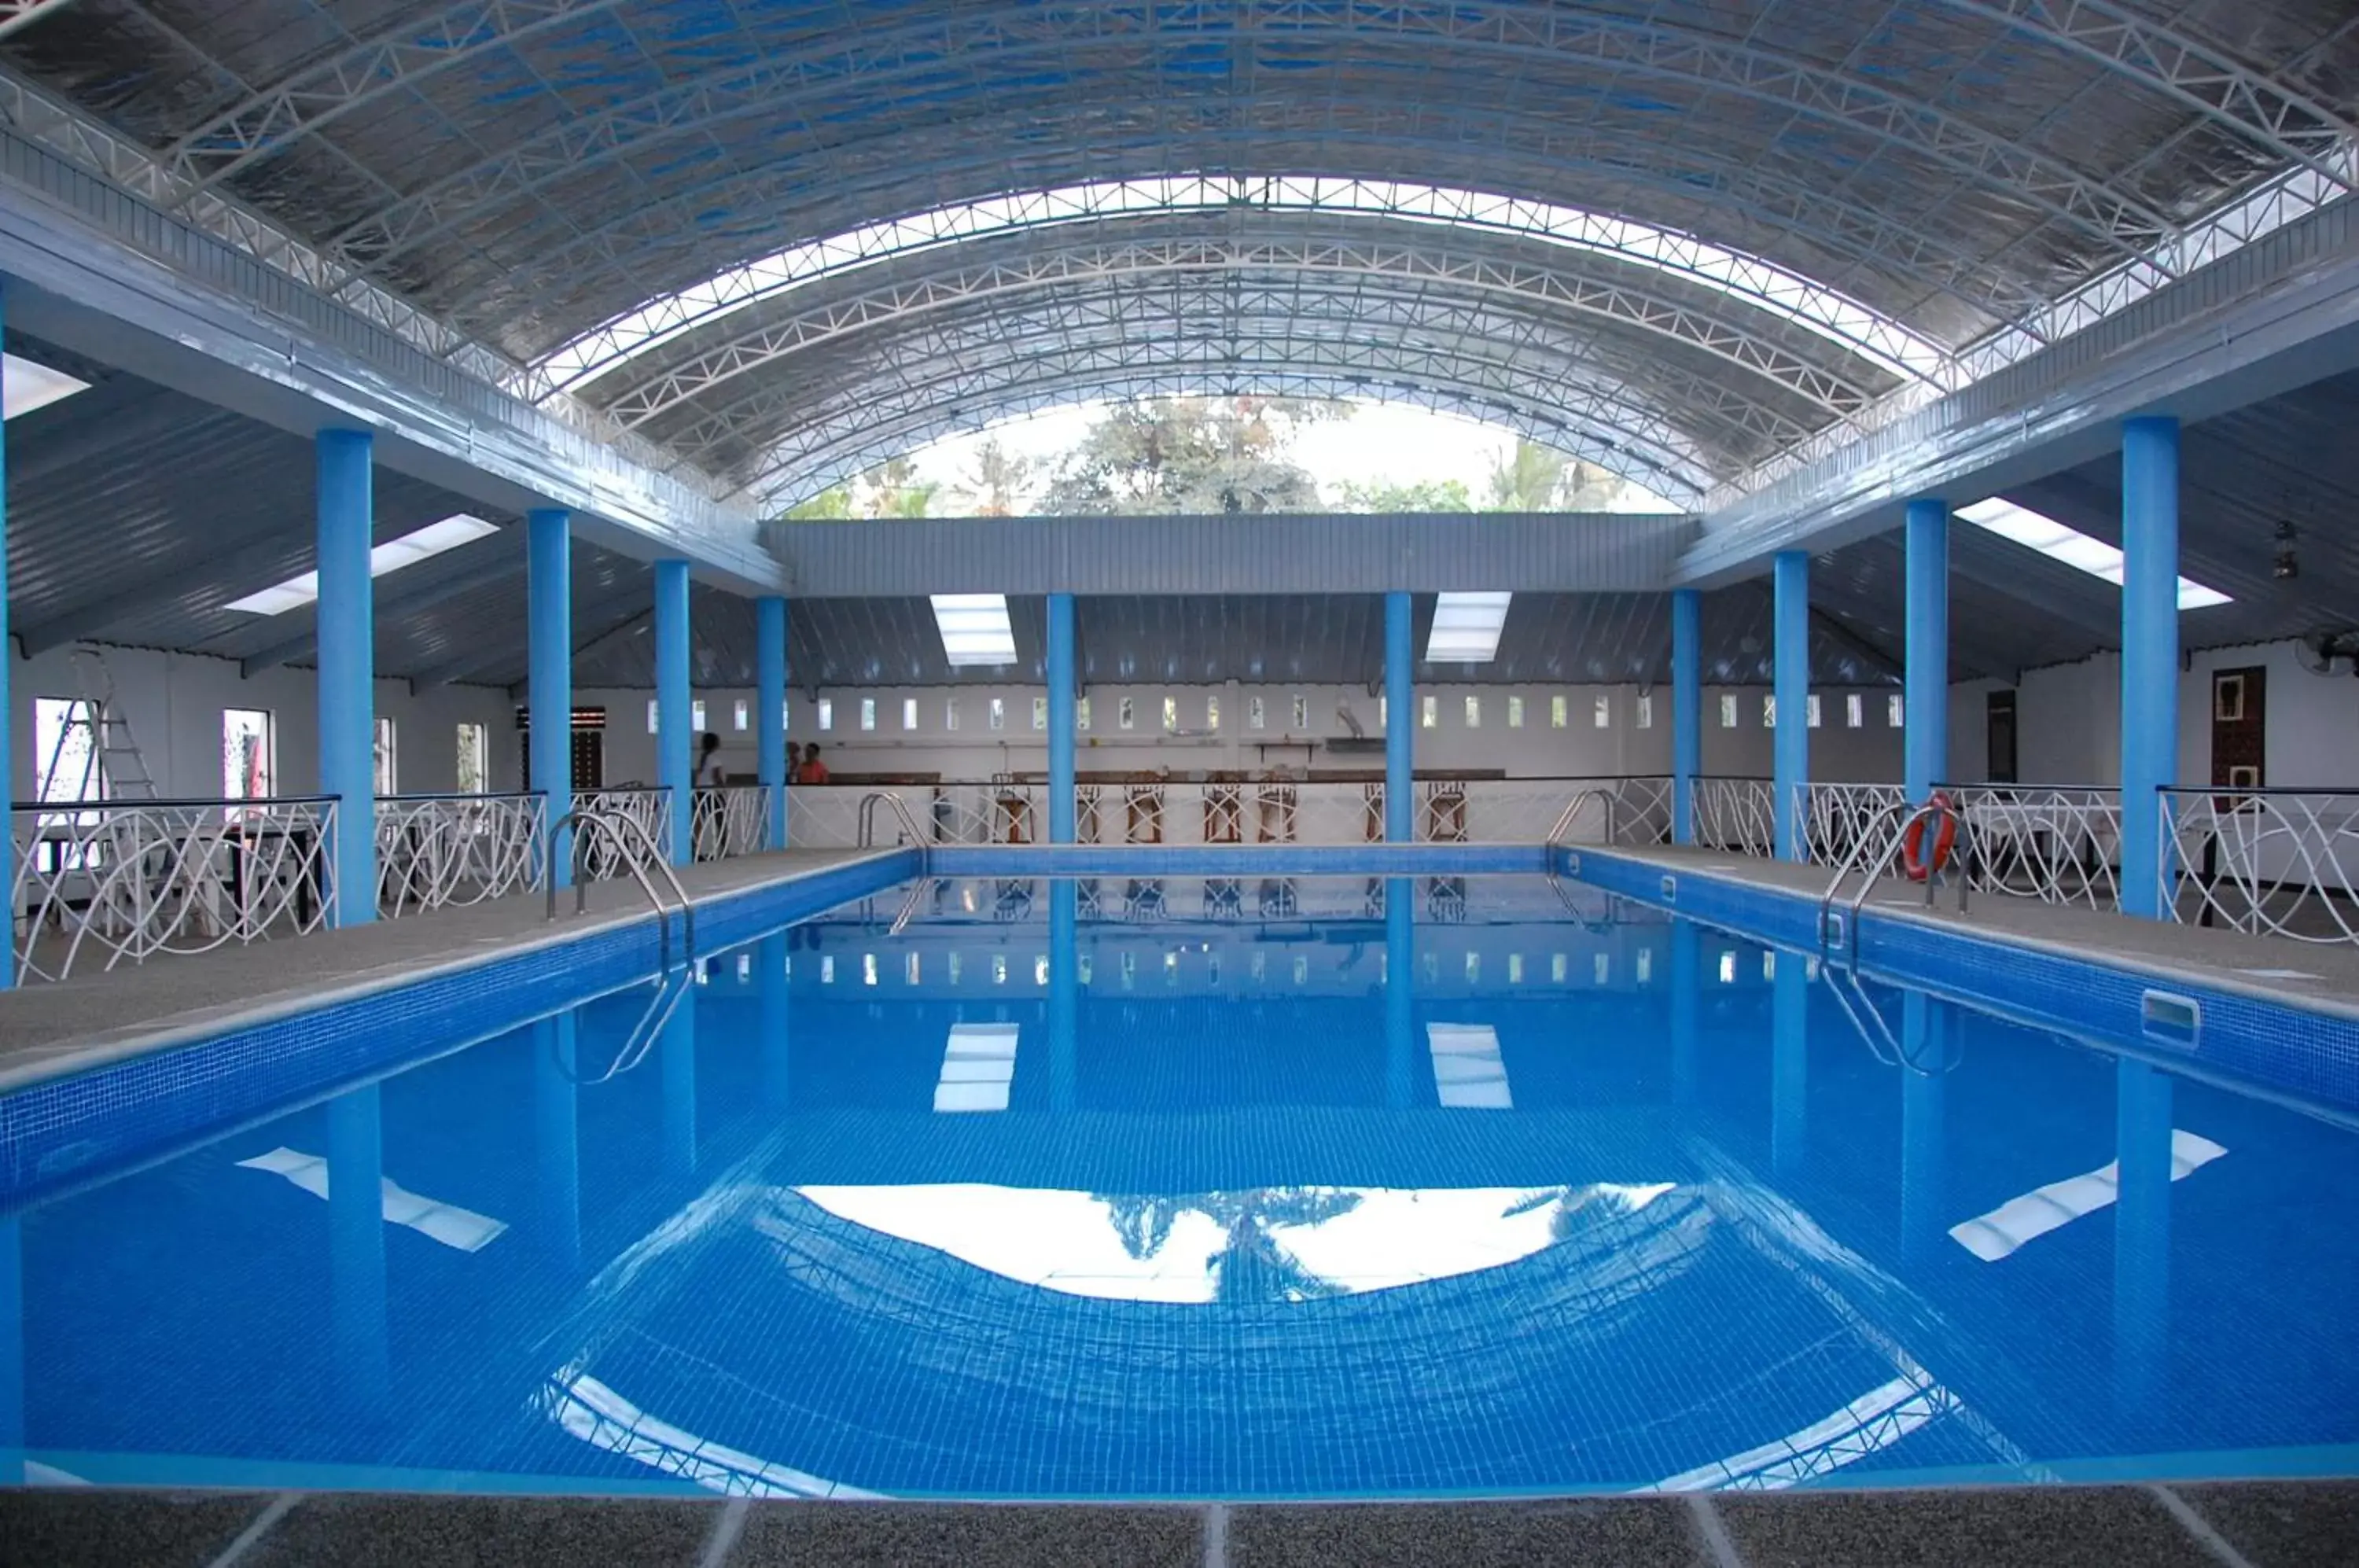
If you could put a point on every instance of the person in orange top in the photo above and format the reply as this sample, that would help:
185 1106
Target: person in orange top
812 771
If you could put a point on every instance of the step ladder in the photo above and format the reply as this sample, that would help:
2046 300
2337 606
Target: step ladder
96 734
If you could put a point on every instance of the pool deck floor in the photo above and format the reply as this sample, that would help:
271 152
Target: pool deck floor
2242 1524
108 1014
2318 974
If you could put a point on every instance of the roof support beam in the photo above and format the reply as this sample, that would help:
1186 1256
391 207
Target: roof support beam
490 567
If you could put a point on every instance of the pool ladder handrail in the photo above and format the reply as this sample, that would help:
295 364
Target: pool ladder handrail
625 828
1551 845
868 803
670 987
1842 977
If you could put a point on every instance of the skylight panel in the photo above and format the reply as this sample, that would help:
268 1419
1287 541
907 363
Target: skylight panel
2036 530
1466 629
974 628
391 556
26 386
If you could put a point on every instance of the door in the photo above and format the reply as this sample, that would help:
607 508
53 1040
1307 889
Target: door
2240 727
589 747
1998 737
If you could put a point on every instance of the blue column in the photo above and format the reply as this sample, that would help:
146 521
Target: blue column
548 563
1687 1000
770 709
771 962
346 690
7 702
1925 1023
1400 720
2142 1232
1925 681
557 1121
1061 693
356 1245
676 736
1687 709
1792 764
1400 989
1064 979
1789 1061
2150 653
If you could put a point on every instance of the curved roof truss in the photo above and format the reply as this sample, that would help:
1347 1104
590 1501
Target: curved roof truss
1748 279
1509 285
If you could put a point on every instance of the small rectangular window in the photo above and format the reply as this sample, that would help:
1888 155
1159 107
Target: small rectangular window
1728 710
1082 713
868 713
1558 967
1255 716
1473 966
1769 711
786 715
1645 964
1040 712
1171 714
950 712
1728 968
1474 712
908 712
1514 718
1301 713
1645 711
655 716
827 712
1811 712
696 717
474 759
1603 713
1854 711
1430 714
1602 968
1515 969
249 754
998 713
1127 714
1213 711
1892 711
1383 711
1560 712
387 774
741 712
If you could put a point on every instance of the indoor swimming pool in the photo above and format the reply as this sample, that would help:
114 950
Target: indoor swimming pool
1201 1187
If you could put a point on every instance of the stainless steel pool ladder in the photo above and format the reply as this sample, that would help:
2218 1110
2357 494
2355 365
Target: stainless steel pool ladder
637 851
1839 939
670 987
1556 835
868 804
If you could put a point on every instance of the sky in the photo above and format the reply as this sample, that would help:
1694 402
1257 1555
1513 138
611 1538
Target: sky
1399 442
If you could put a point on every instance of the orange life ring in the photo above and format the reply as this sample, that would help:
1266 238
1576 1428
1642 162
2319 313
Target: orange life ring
1945 839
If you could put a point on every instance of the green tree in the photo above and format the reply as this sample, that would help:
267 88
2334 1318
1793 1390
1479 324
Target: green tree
1526 479
834 502
893 490
995 483
1251 1264
1189 456
1390 496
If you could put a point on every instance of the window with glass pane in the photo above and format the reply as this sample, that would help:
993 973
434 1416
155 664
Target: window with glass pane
655 716
249 754
1127 714
1514 712
1855 711
1213 711
1384 711
1040 712
1892 715
827 712
741 711
696 715
1255 716
1171 714
1602 713
1769 711
868 713
1812 712
1728 710
385 773
1082 713
1560 712
998 712
1301 711
1429 715
1474 712
1645 711
474 759
908 712
950 712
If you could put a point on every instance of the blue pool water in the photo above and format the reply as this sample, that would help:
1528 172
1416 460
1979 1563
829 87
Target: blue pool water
1184 1188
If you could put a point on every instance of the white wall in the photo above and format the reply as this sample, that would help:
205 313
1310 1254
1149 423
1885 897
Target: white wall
173 704
1535 749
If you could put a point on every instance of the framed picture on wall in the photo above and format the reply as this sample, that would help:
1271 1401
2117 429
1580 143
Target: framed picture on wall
2228 699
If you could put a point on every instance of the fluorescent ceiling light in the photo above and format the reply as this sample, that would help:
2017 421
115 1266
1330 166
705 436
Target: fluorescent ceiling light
24 386
2035 531
391 556
974 628
1466 629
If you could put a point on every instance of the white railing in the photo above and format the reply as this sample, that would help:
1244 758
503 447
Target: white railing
103 882
731 820
436 851
602 856
2279 862
1836 820
1738 815
2057 843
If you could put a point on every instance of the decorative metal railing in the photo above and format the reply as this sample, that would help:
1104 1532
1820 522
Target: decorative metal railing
99 883
1737 815
602 856
731 820
2057 843
2280 862
436 851
1836 820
